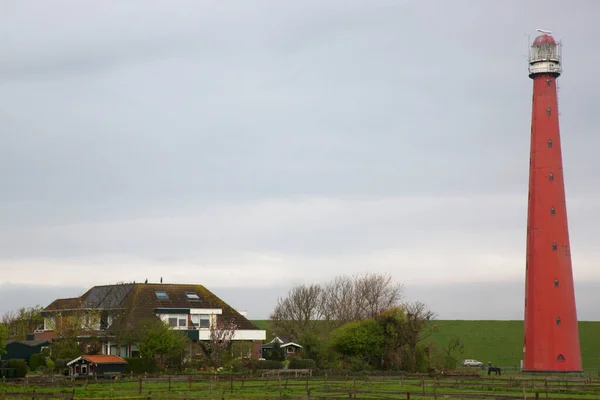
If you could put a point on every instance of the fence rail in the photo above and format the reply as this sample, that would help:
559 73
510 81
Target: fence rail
273 386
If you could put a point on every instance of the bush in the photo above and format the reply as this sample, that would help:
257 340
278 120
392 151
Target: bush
36 361
262 364
302 363
20 367
138 365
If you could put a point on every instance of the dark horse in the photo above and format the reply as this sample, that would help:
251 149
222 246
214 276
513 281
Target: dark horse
497 370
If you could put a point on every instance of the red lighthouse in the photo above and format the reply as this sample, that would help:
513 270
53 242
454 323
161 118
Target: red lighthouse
551 332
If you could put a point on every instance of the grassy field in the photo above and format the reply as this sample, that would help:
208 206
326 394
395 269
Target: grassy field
240 387
501 342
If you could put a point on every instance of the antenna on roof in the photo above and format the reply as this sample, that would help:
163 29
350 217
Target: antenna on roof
544 31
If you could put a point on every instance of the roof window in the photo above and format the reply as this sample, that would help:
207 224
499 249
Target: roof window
161 295
192 295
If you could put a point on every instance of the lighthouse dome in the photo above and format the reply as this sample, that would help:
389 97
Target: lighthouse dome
544 39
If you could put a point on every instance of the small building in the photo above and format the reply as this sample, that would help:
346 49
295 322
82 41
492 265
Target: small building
23 349
96 365
289 348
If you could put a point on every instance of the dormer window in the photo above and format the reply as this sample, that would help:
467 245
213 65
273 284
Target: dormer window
192 295
161 295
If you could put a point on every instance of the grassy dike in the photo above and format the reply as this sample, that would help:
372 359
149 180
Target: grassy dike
500 342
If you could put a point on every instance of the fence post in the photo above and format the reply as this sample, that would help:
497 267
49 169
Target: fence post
140 385
407 395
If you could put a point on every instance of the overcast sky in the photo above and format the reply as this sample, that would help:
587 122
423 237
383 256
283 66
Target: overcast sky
249 146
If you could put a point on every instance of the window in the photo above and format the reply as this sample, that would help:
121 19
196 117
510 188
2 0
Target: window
178 321
548 111
552 211
560 357
204 321
200 321
291 349
161 295
556 283
549 143
547 82
551 176
192 296
557 320
182 322
554 246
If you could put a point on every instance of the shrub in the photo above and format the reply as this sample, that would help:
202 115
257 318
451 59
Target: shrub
36 361
138 365
20 367
302 363
262 364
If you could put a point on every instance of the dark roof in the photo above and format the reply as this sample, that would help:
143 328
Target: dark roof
30 343
139 301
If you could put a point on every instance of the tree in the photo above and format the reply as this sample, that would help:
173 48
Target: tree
393 323
418 327
161 343
364 339
298 312
452 351
25 320
348 299
377 292
337 302
3 336
221 334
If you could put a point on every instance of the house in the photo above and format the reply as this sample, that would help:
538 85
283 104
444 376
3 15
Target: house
23 349
103 312
96 365
290 348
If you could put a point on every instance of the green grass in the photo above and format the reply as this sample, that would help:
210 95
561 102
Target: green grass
320 388
500 342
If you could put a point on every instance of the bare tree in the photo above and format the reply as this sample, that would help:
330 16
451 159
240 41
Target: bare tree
221 335
418 326
346 299
338 301
297 313
376 292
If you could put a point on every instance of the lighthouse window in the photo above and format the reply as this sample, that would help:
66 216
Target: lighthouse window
557 320
552 211
551 176
556 283
547 82
548 111
549 143
554 246
560 357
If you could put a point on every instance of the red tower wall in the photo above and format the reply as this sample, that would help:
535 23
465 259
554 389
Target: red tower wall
551 331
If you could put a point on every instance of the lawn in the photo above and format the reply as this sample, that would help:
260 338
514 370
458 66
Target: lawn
500 342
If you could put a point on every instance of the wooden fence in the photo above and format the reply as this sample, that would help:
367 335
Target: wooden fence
231 386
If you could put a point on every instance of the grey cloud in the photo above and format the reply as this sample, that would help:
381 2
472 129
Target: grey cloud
183 133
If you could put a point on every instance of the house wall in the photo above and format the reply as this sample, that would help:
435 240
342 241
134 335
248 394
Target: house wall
109 368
